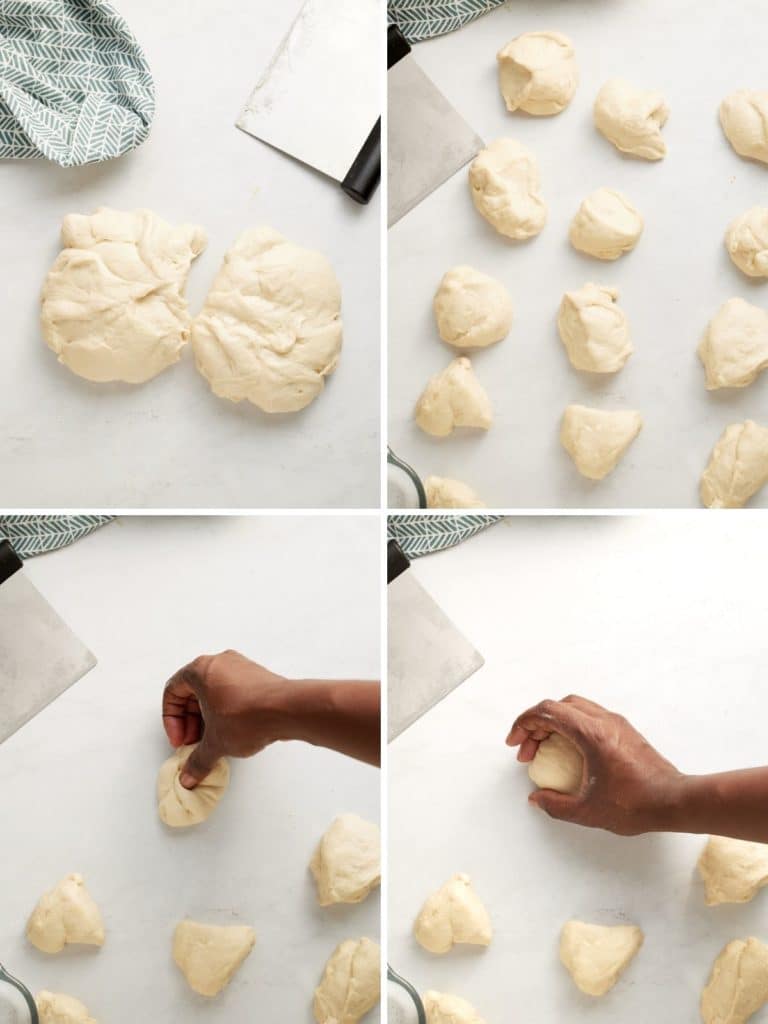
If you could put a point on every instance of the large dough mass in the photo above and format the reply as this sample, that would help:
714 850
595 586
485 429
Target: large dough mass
606 225
180 807
444 1008
734 349
594 329
351 983
557 765
595 955
347 862
454 398
453 914
472 310
66 915
208 955
738 984
538 73
504 181
632 119
744 117
733 870
596 439
57 1008
738 466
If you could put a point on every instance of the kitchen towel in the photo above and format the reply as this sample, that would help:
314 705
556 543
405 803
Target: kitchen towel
36 535
422 19
75 86
422 535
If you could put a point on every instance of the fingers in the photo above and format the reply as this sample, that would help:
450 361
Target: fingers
200 764
181 708
549 716
562 806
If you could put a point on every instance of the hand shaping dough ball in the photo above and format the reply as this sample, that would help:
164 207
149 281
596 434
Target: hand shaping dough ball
472 309
734 349
738 466
747 241
738 985
538 73
347 862
454 398
451 915
351 984
744 117
208 955
596 439
113 302
594 329
443 1008
632 119
66 915
270 329
558 765
442 492
180 807
732 870
504 179
595 955
56 1008
606 226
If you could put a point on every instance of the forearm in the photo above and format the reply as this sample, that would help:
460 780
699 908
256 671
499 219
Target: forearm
338 714
733 804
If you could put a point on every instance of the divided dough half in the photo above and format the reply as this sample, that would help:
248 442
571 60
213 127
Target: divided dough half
453 914
454 398
209 955
733 870
596 955
347 862
596 439
66 915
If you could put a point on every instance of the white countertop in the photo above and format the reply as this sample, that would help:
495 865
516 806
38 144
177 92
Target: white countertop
171 443
662 620
671 285
301 595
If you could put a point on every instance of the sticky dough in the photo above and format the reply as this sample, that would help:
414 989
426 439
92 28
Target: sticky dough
632 119
454 398
734 349
472 310
346 864
738 466
504 181
180 807
596 439
209 955
738 984
443 492
66 915
351 983
596 955
453 914
557 765
744 117
444 1008
606 226
733 870
57 1008
594 329
747 241
538 73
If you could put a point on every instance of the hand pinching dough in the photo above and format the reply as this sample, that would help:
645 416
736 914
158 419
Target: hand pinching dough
538 73
454 398
632 119
351 984
596 439
208 955
113 302
66 915
558 765
606 226
504 180
270 329
347 862
57 1008
442 492
594 329
744 117
735 347
738 985
444 1008
180 807
453 914
738 466
747 241
472 310
732 870
595 955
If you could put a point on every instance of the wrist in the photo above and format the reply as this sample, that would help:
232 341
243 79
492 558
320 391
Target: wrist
679 812
301 703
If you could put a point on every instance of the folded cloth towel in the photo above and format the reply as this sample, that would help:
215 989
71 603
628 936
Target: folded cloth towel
423 535
422 19
75 86
37 535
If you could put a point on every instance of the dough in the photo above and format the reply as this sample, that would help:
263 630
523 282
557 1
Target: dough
66 915
538 73
595 955
270 329
744 117
454 398
453 914
351 984
504 179
558 765
442 492
347 862
443 1008
632 119
738 985
113 302
596 439
738 466
472 310
735 347
606 226
747 241
208 955
733 870
594 329
180 807
56 1008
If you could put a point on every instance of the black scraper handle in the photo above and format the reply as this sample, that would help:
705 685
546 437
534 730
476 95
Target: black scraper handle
9 561
364 175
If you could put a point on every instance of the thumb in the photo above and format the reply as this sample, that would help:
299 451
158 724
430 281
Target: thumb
562 806
200 763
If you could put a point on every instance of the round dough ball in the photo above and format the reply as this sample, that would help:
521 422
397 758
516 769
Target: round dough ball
558 765
744 117
734 349
632 119
443 492
208 955
347 862
504 180
732 870
472 310
453 914
596 439
596 955
747 241
180 807
738 466
454 398
594 329
66 915
351 984
444 1008
606 226
538 73
270 330
57 1008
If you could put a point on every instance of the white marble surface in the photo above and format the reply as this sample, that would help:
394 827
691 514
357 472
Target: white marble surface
671 285
78 782
663 620
171 443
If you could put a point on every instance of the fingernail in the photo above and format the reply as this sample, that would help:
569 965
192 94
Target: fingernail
187 780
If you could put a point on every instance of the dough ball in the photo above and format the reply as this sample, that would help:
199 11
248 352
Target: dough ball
347 862
180 807
558 765
738 466
472 309
208 955
56 1008
596 439
632 119
538 73
453 914
443 1008
747 241
113 301
442 492
738 985
732 870
270 329
595 955
735 347
744 117
594 329
454 398
66 915
606 226
351 984
504 180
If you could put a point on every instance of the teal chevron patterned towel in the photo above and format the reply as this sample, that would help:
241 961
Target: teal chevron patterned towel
35 535
422 19
75 86
421 535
